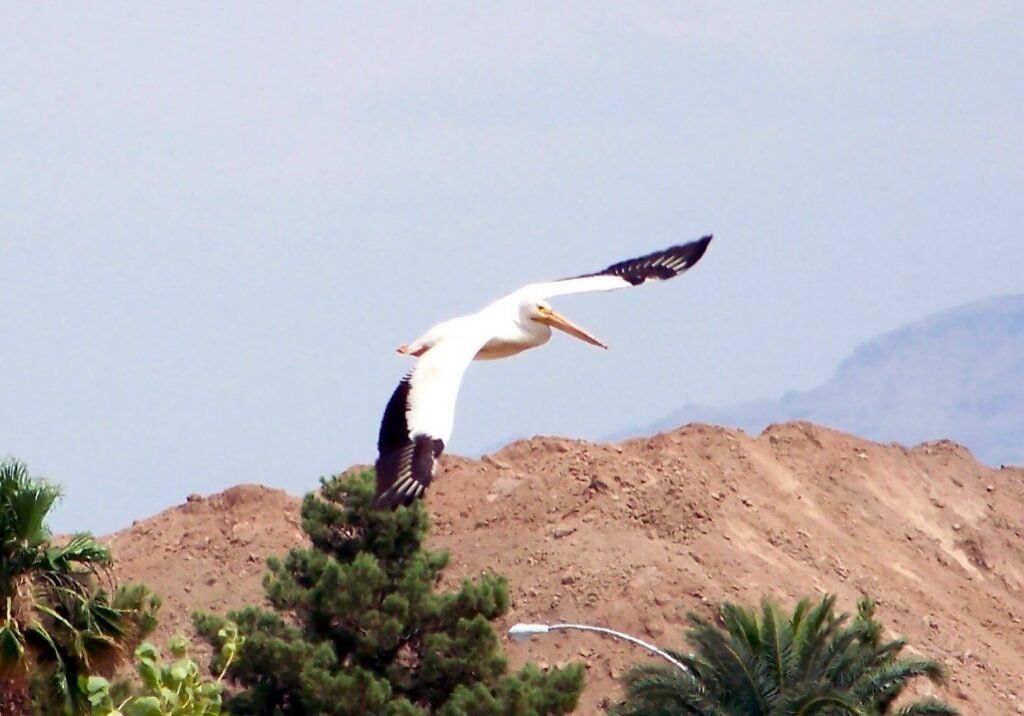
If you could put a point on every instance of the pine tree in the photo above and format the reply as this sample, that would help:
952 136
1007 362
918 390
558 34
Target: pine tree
358 625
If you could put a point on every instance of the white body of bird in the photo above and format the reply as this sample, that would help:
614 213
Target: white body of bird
511 325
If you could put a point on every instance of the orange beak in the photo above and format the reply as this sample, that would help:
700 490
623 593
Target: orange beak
557 320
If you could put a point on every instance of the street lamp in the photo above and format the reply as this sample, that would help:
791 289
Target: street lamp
523 632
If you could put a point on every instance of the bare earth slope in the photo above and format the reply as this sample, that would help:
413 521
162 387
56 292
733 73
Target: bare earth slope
632 536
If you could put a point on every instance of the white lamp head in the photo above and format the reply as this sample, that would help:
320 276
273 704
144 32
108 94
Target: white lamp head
523 632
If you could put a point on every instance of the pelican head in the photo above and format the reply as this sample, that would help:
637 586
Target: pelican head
542 312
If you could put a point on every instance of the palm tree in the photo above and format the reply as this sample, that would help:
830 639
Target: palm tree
809 663
56 623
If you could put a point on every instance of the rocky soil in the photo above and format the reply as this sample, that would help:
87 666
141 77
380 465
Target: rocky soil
634 535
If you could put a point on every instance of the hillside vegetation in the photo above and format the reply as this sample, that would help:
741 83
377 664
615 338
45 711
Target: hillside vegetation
634 535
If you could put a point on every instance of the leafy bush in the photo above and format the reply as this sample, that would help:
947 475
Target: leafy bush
173 688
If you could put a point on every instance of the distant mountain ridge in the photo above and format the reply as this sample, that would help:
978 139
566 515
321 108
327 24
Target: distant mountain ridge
956 374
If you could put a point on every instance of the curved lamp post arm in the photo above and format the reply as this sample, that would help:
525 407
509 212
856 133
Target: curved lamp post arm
522 632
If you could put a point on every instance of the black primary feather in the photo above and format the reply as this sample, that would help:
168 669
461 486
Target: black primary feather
405 464
657 266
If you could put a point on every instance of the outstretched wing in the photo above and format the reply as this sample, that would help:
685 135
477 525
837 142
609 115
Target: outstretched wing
657 266
419 416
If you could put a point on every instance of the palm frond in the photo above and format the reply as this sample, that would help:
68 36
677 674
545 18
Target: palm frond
742 624
36 629
799 613
739 674
871 629
12 472
852 665
862 660
82 550
929 707
24 503
660 673
831 659
702 671
12 647
815 631
94 643
105 619
887 682
888 651
827 706
777 637
654 689
53 614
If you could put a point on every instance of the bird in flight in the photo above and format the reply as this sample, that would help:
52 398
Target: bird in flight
419 416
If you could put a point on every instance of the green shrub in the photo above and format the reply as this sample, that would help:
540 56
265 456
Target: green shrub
172 688
359 626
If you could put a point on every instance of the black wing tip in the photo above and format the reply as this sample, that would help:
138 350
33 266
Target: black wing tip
659 265
395 497
392 497
391 500
404 474
690 253
699 247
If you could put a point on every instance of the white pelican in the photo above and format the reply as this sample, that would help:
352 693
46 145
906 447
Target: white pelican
418 419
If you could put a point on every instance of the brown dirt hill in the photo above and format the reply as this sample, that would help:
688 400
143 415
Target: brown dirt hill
632 536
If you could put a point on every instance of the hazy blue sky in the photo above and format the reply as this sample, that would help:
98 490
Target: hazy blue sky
217 221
